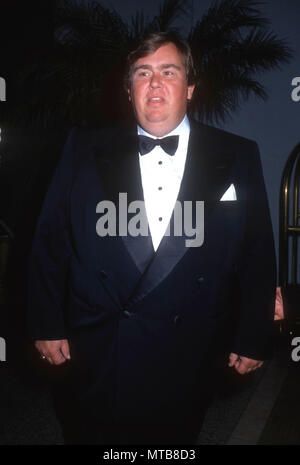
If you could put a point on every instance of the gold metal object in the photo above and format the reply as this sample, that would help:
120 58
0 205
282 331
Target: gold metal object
289 222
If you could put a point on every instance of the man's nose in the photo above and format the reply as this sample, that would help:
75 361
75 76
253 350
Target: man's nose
155 80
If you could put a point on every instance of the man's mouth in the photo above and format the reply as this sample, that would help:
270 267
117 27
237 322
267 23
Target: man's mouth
155 100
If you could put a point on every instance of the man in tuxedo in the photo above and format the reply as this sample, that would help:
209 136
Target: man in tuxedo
143 320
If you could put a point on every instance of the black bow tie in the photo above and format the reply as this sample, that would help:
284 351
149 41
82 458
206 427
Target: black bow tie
168 144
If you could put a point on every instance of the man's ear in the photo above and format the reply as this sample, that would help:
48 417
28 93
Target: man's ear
129 94
190 92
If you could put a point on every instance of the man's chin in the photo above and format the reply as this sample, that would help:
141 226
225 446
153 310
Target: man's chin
158 127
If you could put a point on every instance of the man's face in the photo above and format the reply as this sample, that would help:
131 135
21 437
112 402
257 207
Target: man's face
159 90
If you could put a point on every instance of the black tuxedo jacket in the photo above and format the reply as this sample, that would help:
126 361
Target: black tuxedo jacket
143 326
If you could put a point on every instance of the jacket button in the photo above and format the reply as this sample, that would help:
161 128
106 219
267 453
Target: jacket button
103 274
200 280
127 314
177 319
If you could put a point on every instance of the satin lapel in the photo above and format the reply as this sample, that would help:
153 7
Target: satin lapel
206 178
119 171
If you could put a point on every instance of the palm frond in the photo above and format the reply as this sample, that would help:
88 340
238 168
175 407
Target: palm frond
233 14
225 23
262 50
220 96
81 79
170 11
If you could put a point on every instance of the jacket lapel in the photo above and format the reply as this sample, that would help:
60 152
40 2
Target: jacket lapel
118 166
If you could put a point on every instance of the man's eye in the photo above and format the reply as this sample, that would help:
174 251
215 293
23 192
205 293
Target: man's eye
143 74
168 73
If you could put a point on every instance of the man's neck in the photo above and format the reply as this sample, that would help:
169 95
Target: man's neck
176 131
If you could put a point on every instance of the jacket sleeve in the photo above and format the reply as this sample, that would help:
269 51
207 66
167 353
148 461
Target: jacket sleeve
256 270
50 254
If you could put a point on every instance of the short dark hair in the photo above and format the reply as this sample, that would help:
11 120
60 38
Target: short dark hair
153 42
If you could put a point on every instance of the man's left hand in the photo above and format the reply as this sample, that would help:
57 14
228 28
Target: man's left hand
242 364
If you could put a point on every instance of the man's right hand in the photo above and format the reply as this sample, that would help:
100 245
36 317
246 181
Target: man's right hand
55 352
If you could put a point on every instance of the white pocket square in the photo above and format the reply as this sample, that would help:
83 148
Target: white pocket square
230 194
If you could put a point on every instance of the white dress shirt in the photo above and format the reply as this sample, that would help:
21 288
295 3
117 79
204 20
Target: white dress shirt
161 179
